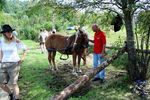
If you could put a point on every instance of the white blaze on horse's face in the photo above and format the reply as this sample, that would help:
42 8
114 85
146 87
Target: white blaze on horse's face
80 34
75 41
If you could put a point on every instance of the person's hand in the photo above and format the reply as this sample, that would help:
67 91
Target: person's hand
17 40
104 54
20 62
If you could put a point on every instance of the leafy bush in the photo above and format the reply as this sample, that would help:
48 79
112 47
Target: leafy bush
28 33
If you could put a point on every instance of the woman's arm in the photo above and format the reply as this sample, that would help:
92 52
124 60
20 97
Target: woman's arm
23 56
21 46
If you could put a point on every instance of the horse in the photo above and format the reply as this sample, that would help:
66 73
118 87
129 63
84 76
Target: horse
74 45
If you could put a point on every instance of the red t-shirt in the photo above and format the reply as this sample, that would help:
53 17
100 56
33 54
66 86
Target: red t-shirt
99 42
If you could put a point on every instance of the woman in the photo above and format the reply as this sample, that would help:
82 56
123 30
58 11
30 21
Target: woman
10 61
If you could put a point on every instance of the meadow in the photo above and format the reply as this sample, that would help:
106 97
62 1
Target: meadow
37 82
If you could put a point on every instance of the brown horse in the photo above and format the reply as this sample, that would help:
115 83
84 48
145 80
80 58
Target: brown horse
73 45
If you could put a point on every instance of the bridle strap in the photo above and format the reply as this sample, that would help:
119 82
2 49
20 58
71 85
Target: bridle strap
75 41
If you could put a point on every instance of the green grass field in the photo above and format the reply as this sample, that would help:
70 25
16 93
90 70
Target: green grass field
38 83
35 78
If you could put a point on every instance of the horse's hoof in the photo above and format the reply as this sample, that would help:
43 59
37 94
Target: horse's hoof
79 71
75 73
56 69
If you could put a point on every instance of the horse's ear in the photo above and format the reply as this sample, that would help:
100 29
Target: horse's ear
80 31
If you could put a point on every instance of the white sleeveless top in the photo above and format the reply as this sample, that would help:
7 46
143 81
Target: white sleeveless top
10 50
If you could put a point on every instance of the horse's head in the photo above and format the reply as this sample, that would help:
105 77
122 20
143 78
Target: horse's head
81 39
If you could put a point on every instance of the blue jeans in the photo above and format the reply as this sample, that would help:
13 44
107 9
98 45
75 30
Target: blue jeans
97 60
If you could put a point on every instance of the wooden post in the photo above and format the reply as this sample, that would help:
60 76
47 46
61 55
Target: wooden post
85 78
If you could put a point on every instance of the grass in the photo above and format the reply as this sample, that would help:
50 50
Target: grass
35 77
34 80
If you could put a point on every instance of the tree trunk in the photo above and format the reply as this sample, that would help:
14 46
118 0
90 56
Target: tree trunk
85 78
132 68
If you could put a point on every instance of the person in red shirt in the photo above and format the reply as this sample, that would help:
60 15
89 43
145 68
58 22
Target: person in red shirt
98 51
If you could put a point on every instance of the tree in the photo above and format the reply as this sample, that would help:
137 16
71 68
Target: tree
127 9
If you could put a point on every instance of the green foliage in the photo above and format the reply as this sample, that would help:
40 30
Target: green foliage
48 15
7 19
2 3
29 33
14 6
48 25
119 42
144 21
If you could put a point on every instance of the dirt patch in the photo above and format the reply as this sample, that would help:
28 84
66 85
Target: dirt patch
64 77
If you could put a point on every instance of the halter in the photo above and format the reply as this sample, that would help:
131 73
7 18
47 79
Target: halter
75 41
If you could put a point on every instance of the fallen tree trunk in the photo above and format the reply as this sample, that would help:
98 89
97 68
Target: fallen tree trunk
85 78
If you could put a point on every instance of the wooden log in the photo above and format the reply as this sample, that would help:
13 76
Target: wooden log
4 95
68 91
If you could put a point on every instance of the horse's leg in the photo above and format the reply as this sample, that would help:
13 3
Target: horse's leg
74 56
79 60
53 60
50 59
84 57
43 48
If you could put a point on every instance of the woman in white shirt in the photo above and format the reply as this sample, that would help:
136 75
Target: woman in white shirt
10 61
